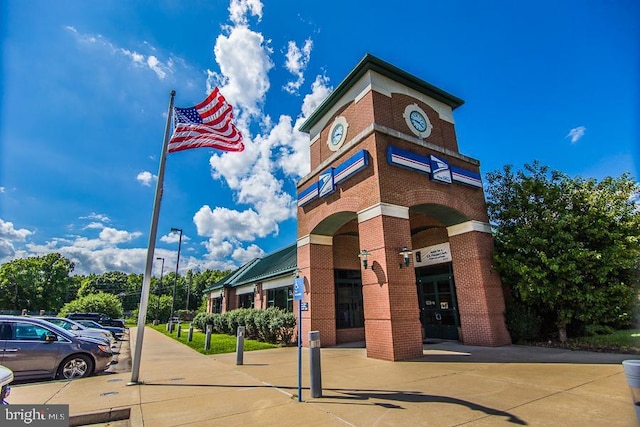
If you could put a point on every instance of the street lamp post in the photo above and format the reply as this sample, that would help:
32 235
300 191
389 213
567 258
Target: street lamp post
175 281
158 303
189 288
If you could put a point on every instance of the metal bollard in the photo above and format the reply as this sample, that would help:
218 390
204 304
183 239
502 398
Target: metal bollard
207 339
632 373
190 334
240 345
179 329
314 364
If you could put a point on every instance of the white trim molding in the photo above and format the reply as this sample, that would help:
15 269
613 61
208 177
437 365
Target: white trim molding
385 209
315 239
278 282
466 227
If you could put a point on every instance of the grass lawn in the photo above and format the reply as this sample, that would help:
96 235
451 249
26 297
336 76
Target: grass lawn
624 341
220 343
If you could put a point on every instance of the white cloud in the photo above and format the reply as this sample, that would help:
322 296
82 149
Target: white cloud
576 133
146 178
239 9
94 225
96 216
320 89
297 61
222 224
161 69
8 231
244 62
8 235
113 236
244 255
3 189
173 237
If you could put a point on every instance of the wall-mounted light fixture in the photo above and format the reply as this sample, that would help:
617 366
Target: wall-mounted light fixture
405 256
363 256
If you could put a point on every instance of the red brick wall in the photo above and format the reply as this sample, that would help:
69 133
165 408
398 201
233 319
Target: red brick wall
392 319
479 290
349 335
316 265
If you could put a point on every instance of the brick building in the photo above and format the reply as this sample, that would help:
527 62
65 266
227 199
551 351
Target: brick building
393 242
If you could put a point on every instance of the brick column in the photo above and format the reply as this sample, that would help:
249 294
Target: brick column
391 313
315 262
478 286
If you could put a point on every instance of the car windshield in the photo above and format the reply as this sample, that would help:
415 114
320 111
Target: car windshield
61 323
90 323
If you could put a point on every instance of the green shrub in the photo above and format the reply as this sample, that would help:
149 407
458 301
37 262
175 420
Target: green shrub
234 319
251 330
284 326
523 322
272 325
101 302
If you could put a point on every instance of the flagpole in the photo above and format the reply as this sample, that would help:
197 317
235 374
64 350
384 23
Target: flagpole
146 281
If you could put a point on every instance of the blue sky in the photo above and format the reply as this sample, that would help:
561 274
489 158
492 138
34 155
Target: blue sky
85 89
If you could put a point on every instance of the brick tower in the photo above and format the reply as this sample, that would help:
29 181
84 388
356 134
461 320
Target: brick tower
393 237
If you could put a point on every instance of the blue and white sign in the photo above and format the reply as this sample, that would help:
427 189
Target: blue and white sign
440 170
326 184
329 179
298 288
437 167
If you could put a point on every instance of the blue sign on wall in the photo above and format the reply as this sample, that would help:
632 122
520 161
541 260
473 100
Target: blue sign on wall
329 179
438 167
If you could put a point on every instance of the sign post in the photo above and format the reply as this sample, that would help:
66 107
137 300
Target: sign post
298 292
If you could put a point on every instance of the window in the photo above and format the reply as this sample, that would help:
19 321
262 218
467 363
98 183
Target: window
281 297
349 310
246 300
29 332
217 305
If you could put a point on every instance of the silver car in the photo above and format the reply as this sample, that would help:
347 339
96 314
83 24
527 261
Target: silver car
35 348
79 329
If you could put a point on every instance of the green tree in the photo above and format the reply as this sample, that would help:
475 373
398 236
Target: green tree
101 302
112 282
567 245
35 283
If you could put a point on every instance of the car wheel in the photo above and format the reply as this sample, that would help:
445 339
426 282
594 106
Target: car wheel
76 366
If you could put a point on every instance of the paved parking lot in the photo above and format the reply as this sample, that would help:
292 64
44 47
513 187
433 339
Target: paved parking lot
450 385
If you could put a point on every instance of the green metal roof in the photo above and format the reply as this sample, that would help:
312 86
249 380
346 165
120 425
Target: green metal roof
279 263
370 62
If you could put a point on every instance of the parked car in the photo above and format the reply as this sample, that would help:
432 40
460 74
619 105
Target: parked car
6 376
100 318
35 348
115 331
81 330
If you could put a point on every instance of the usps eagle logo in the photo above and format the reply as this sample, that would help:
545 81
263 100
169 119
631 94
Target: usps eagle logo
440 170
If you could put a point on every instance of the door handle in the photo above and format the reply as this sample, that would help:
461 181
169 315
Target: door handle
10 350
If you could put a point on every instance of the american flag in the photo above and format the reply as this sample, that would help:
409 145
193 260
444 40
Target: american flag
208 124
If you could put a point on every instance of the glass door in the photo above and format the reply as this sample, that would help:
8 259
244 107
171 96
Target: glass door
438 303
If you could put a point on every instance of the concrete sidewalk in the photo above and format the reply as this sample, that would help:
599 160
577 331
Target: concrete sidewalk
450 385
